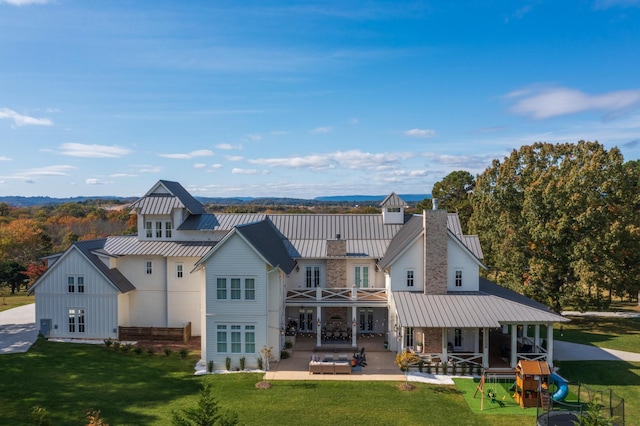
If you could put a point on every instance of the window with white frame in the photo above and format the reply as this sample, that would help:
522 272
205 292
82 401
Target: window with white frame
149 267
168 227
410 277
361 276
76 320
312 276
179 272
75 283
158 229
149 228
234 288
393 209
458 278
233 338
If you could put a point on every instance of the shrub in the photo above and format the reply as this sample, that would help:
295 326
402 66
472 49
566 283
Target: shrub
167 352
227 363
116 345
94 419
210 366
242 363
126 347
405 359
428 368
40 416
420 365
259 363
151 350
445 368
454 368
284 355
137 350
184 352
108 342
288 344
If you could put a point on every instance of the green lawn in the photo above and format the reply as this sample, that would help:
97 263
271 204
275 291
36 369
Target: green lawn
8 300
612 333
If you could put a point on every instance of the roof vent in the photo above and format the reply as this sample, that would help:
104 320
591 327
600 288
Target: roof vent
434 202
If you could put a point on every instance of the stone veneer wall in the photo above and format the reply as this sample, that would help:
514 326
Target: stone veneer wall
435 251
336 268
432 340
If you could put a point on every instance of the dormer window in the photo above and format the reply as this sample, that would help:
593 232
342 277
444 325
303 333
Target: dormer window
393 209
158 229
148 227
167 229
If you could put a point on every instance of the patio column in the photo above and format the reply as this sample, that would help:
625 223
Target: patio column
514 345
319 327
536 337
445 355
354 327
550 344
485 347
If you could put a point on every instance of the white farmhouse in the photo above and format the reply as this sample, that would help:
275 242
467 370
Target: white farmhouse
243 281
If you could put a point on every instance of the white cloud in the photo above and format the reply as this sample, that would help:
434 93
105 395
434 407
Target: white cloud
94 181
189 155
420 133
321 130
238 171
23 120
199 166
122 175
540 103
60 170
255 137
354 121
354 160
3 158
150 169
93 151
607 4
234 158
23 2
228 146
216 166
278 133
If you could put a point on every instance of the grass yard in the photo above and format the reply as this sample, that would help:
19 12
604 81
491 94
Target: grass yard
69 379
613 333
8 300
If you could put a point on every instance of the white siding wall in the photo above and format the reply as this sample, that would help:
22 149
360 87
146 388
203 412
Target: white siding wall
184 294
99 300
237 259
297 280
411 259
148 303
460 259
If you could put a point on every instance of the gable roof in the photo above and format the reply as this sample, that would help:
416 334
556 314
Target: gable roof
393 200
162 203
411 230
261 236
89 250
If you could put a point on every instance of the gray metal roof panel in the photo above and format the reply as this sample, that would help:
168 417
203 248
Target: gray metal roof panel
409 232
130 245
193 205
87 248
264 237
393 200
157 204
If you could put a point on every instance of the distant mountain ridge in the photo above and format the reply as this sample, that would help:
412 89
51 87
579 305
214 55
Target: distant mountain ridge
19 201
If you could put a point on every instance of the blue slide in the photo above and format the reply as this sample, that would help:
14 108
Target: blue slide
563 387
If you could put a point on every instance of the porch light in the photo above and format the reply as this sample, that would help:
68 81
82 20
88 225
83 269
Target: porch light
319 323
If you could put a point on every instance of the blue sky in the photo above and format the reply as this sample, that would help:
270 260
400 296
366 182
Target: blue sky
303 98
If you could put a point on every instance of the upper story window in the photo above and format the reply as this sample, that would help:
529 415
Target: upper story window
221 288
410 278
179 270
149 266
312 277
168 227
75 283
158 229
234 288
148 227
458 278
361 276
250 289
393 209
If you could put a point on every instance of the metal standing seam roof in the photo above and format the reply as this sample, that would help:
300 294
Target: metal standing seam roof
87 248
465 310
317 249
265 238
219 221
130 245
409 232
157 204
193 205
393 200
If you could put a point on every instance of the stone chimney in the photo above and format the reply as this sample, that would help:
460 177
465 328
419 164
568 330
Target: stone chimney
337 268
435 251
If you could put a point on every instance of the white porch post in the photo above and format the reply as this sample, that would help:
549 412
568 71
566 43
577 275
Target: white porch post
485 347
354 327
445 355
536 337
550 344
514 345
319 327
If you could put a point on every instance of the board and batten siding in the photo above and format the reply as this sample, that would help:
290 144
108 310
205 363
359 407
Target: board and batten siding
460 259
411 259
235 258
99 300
148 302
183 294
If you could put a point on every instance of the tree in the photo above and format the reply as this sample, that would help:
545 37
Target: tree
553 222
12 275
206 413
23 240
34 271
454 194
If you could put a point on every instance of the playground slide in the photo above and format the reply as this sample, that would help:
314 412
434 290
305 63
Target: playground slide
562 385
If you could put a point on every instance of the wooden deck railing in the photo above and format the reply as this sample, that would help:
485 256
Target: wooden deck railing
320 294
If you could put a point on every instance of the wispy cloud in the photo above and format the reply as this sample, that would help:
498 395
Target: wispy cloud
519 14
420 133
608 4
3 158
23 120
27 174
234 157
93 150
321 130
122 175
354 160
150 169
94 181
540 103
239 171
23 2
228 146
189 155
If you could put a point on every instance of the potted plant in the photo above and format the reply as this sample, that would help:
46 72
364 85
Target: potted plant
386 344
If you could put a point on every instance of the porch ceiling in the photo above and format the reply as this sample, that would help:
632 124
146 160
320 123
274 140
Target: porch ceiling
465 310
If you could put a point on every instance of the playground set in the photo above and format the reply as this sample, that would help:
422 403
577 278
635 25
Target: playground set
530 388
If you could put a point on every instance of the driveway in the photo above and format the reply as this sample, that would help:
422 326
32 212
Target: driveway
18 329
567 351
